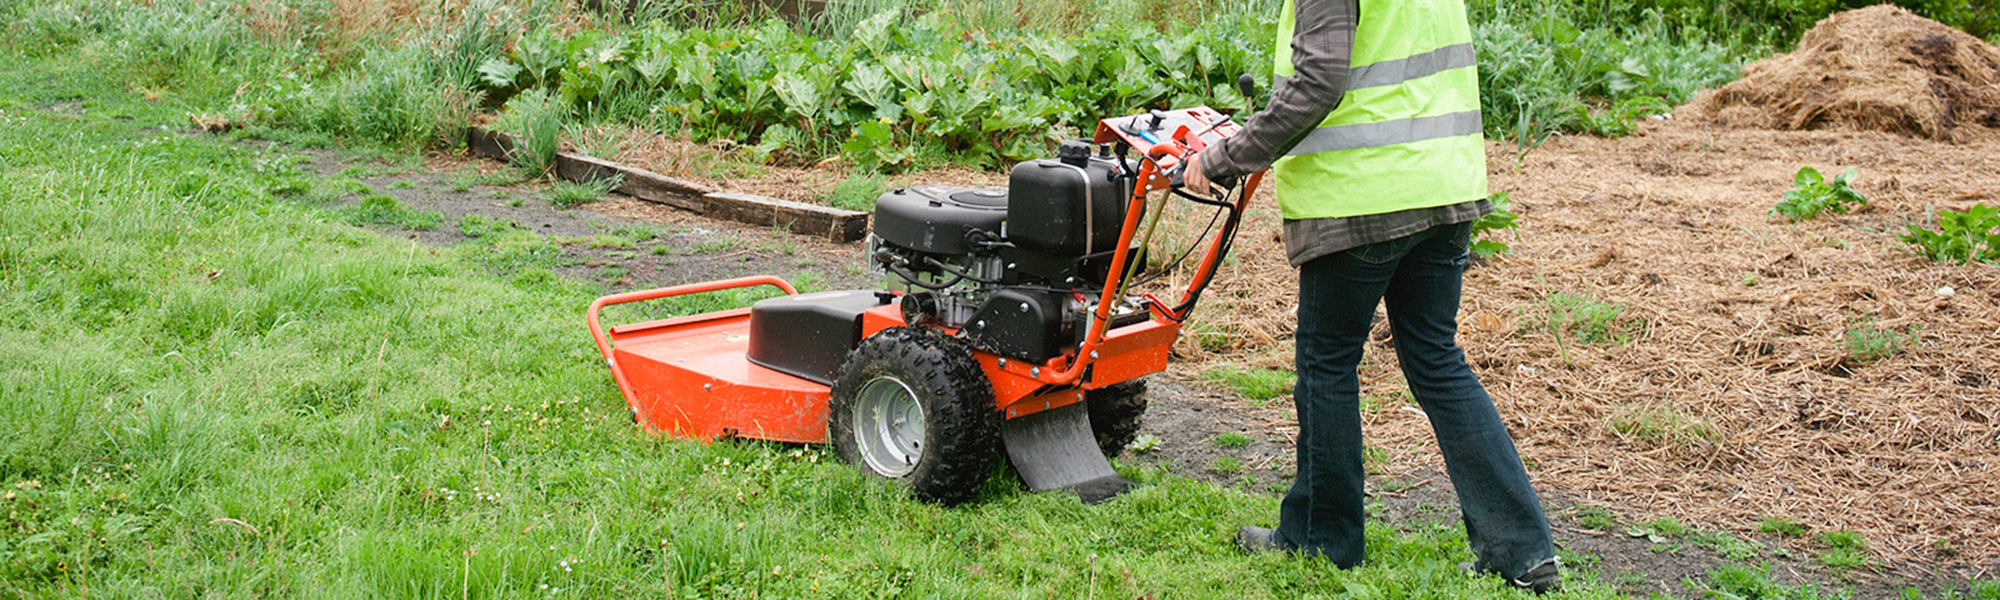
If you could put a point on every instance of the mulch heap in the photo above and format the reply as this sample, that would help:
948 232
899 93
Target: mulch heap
1880 68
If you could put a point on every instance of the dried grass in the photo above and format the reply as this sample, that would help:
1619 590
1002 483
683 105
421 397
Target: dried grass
1733 401
1881 68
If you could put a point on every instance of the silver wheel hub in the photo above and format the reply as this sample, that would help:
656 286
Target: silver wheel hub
889 426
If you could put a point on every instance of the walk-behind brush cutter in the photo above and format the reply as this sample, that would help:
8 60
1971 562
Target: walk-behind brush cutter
1007 321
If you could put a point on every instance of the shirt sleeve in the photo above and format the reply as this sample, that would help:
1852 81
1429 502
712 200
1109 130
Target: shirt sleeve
1322 47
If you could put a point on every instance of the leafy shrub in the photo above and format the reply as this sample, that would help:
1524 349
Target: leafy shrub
1960 237
1543 70
898 92
1811 195
1501 219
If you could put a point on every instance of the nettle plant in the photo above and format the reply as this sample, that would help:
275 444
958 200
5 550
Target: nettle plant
1960 237
1812 194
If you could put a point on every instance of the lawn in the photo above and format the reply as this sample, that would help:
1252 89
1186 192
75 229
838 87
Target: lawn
217 386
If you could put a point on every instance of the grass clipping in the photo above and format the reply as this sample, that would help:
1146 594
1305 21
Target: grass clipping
1880 68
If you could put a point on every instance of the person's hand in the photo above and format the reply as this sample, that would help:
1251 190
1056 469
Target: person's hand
1191 176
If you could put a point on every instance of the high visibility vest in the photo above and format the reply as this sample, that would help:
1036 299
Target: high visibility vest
1407 133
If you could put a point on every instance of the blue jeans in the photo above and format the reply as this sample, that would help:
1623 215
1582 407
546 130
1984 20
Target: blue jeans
1419 277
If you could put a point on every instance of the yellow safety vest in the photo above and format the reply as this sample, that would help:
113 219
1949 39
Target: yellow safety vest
1407 134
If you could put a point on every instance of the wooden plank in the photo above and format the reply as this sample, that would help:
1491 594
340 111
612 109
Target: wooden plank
639 183
834 224
488 143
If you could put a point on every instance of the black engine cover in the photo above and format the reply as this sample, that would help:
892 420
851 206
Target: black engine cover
1066 208
937 218
808 335
1022 324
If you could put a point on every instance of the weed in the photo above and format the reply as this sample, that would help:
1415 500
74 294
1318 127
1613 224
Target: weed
1664 426
1226 465
1782 526
1231 439
1583 319
857 192
1844 550
477 226
1729 546
662 251
1740 581
386 211
1962 238
536 121
402 184
1594 517
1866 342
720 244
1144 443
1664 527
781 239
569 194
1811 195
1256 384
1501 219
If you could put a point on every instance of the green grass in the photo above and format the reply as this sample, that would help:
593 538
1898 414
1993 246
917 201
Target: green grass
570 194
857 192
1594 517
1844 550
382 210
1231 439
1259 385
213 391
1782 526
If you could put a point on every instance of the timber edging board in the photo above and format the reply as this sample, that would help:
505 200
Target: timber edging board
837 225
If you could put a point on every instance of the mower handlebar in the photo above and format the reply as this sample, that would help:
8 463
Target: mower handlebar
604 342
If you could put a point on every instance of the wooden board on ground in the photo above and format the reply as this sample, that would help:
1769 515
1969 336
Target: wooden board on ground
834 224
638 183
798 217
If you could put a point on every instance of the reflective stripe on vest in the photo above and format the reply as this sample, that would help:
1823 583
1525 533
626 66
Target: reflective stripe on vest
1407 132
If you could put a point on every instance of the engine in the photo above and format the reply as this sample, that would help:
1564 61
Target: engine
1015 270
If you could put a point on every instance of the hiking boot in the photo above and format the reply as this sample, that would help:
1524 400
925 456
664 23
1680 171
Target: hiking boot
1257 540
1541 579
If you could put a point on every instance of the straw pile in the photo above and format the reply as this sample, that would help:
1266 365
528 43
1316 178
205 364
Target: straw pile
1878 69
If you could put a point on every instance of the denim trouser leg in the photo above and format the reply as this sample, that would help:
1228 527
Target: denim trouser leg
1419 278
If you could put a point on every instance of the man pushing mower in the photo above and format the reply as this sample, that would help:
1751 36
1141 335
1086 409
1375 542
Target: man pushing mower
1373 131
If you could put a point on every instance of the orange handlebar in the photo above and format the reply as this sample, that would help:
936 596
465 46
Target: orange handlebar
604 343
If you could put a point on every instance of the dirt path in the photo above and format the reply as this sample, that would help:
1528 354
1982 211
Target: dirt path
1190 419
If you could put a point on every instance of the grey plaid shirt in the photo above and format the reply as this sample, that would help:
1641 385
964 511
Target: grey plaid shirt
1322 49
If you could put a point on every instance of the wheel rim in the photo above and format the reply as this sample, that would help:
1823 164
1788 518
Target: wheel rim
889 426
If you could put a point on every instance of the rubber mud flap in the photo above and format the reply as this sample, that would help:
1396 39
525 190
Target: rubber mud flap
1055 449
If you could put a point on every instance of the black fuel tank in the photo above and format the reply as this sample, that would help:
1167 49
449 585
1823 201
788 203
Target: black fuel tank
936 218
1065 207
